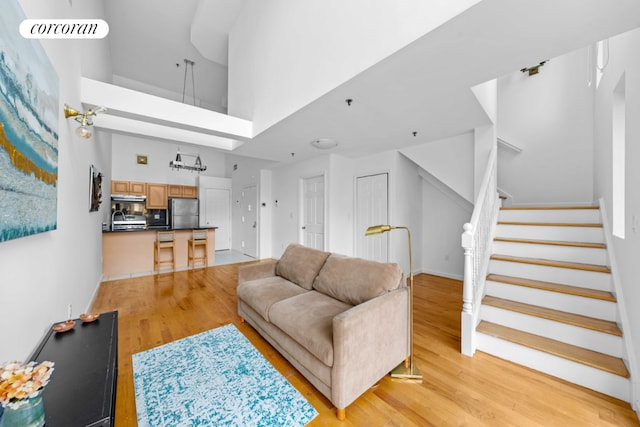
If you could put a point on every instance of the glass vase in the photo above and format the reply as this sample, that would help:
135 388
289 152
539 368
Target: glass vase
29 414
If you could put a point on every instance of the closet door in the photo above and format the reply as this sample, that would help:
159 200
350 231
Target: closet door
372 201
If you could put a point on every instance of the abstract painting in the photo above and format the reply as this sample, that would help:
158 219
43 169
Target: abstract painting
29 93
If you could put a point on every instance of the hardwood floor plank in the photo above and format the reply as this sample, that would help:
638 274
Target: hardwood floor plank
456 390
554 287
586 322
553 263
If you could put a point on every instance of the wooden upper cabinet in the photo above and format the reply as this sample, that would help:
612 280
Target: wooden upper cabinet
190 191
138 188
119 187
157 195
185 191
129 187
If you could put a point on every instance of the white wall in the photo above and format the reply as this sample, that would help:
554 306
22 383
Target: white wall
160 153
443 215
451 160
277 48
285 189
246 173
43 273
341 205
624 59
549 116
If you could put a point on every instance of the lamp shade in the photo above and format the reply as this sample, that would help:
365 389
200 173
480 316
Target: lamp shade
377 229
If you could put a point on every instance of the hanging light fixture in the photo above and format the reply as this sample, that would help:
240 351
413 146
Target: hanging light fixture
189 63
84 130
179 164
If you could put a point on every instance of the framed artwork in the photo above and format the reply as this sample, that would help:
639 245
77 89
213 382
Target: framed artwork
29 116
95 189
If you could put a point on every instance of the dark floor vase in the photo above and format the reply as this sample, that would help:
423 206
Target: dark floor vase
30 414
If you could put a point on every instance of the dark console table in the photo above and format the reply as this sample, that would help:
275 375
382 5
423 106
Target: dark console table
82 391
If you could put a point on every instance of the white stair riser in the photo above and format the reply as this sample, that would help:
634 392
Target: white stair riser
574 335
575 216
590 307
564 276
556 252
545 232
586 376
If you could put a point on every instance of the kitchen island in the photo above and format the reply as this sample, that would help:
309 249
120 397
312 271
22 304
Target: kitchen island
130 253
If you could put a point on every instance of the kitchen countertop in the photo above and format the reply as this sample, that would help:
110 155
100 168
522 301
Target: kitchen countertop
159 229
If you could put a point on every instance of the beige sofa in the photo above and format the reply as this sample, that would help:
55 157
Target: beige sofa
342 322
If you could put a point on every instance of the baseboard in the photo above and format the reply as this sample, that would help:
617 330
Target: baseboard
441 274
93 295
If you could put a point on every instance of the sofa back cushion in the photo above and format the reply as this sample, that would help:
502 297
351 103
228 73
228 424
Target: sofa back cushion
300 264
356 280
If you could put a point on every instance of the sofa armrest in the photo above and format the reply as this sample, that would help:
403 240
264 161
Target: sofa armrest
260 270
369 340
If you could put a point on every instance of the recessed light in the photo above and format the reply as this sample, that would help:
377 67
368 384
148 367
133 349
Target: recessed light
324 143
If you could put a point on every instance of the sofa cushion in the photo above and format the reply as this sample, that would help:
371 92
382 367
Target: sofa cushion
355 280
301 264
261 294
308 319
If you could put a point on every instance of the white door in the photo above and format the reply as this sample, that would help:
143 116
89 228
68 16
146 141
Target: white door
372 209
313 212
217 213
250 221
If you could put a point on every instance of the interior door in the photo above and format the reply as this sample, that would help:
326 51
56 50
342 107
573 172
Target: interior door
217 213
250 221
372 201
313 212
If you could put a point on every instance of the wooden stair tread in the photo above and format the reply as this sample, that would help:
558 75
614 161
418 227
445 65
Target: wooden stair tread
553 243
554 287
552 224
533 208
553 263
586 322
604 362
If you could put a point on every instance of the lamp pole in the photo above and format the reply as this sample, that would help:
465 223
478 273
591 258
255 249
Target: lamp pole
403 370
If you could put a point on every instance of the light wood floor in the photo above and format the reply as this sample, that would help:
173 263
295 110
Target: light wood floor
456 390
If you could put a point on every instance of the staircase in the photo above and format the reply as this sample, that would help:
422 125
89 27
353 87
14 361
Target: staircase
549 303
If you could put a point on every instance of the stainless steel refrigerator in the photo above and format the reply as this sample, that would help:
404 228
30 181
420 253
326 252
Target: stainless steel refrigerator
183 213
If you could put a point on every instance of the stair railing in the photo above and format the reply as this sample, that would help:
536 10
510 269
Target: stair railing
476 241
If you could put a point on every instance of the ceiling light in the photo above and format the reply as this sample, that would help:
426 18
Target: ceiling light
84 130
324 143
189 63
533 70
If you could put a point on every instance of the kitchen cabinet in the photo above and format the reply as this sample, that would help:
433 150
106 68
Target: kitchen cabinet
185 191
157 195
129 187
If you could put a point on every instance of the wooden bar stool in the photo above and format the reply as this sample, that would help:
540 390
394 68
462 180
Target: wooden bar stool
164 240
199 238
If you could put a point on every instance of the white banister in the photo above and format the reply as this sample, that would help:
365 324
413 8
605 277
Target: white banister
476 241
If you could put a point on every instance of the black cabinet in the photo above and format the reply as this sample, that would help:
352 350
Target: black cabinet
82 390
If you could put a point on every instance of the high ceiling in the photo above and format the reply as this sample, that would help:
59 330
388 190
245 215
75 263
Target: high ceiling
423 88
150 41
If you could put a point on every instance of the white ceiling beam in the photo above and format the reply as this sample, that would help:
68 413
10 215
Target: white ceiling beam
125 125
152 109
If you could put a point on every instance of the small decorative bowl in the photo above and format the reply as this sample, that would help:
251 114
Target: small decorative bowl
89 317
64 326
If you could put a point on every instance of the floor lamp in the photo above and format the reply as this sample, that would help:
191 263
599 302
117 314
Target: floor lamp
402 371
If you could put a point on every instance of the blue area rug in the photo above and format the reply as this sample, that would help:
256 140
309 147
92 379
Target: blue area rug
216 378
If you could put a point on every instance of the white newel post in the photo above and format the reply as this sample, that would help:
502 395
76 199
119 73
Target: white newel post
467 320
